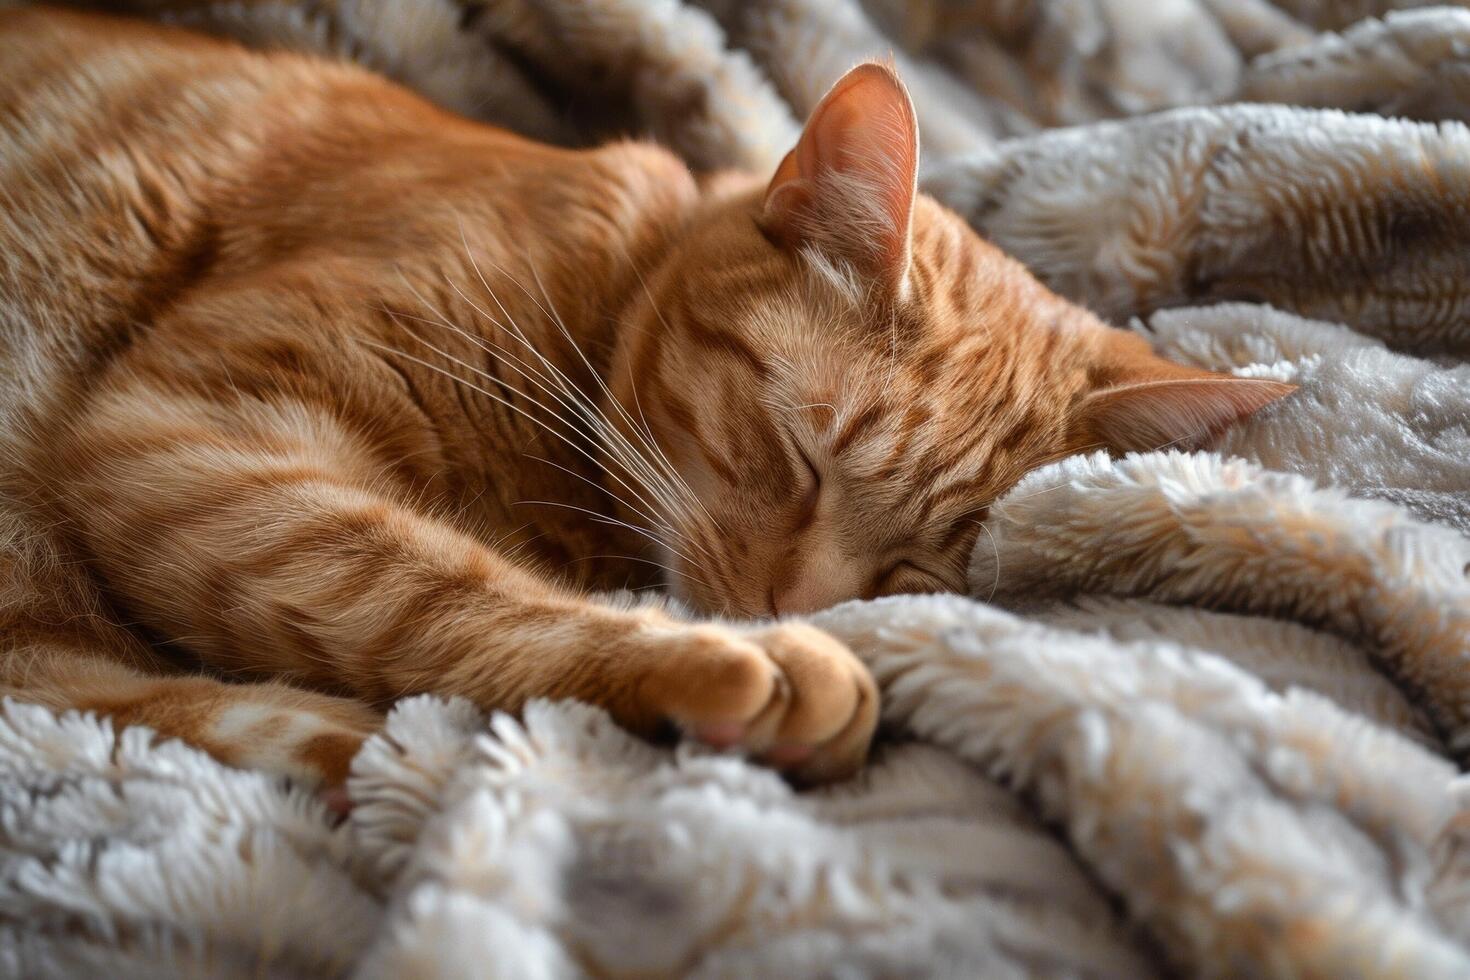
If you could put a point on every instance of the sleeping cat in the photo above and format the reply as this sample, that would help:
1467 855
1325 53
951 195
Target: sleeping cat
316 396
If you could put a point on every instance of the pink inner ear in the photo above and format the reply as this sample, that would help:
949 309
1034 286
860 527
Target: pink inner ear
848 187
1179 412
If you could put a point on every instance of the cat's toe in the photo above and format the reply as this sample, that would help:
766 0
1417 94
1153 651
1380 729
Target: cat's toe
714 684
789 695
823 688
844 753
832 713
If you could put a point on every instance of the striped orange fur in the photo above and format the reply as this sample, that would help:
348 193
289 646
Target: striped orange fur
317 396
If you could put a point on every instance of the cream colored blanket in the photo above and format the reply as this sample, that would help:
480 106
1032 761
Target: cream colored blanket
1206 715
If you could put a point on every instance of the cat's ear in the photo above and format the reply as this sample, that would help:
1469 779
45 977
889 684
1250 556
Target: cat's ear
848 187
1144 402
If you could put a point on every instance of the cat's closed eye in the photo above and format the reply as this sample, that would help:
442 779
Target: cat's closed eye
905 577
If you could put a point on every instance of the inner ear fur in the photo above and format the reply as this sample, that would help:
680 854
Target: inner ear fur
847 188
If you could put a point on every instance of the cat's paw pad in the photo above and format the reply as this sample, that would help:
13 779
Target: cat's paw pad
787 694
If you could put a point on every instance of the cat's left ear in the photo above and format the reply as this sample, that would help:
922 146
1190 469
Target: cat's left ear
1142 402
848 187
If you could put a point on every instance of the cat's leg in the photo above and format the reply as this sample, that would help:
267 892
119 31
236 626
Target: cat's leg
59 648
269 540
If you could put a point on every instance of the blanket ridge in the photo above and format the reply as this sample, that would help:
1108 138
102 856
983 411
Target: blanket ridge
1202 714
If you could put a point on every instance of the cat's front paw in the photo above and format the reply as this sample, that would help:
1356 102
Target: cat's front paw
788 694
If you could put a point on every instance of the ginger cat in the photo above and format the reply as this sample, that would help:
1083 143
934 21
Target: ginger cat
316 396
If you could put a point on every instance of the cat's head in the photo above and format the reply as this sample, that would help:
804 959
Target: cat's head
844 375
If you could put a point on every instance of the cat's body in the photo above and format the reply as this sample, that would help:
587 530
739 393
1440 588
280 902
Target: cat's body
287 348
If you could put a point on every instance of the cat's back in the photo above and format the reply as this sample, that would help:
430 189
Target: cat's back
142 165
132 155
138 161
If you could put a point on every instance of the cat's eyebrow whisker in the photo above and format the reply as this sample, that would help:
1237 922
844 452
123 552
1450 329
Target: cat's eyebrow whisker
799 408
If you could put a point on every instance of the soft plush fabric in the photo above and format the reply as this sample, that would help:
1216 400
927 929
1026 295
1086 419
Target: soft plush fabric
1203 713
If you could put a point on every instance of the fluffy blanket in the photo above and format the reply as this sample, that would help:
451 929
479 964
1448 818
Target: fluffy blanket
1204 714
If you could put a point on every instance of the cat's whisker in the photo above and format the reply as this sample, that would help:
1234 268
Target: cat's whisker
554 414
535 401
550 310
1052 459
637 464
687 489
629 456
1037 493
604 519
644 434
643 561
994 586
499 540
664 526
499 382
1076 452
1188 437
592 483
506 357
489 394
579 404
632 386
725 586
514 329
520 367
652 305
444 321
514 554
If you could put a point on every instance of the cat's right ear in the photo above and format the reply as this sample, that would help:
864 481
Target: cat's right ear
1143 403
848 187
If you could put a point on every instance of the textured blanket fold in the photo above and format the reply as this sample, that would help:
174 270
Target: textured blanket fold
1201 714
